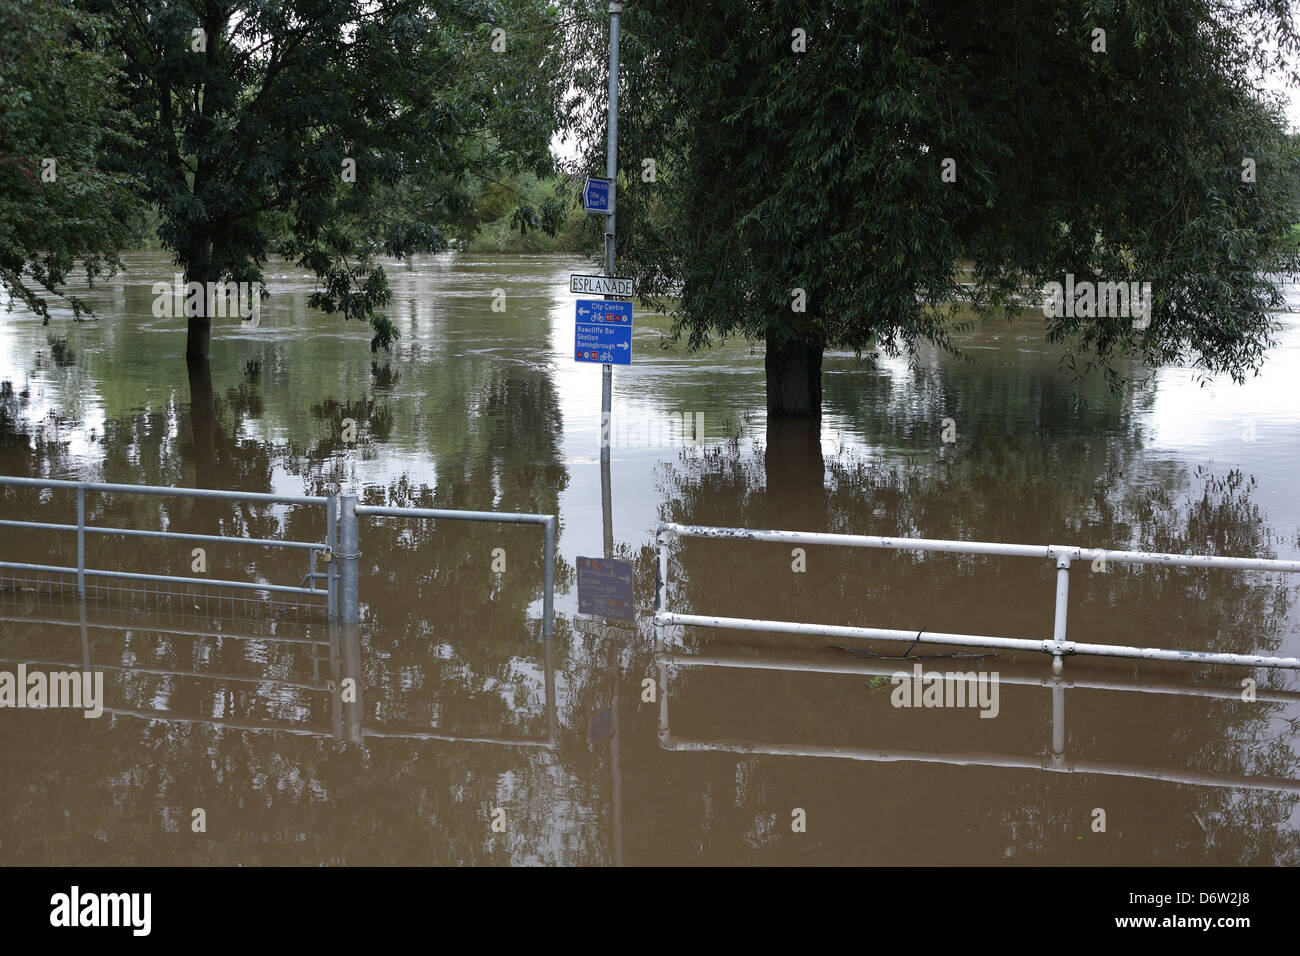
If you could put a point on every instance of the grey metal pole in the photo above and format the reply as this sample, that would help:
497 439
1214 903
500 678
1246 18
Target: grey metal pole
611 172
332 569
350 554
350 612
1062 605
606 412
606 501
81 541
548 577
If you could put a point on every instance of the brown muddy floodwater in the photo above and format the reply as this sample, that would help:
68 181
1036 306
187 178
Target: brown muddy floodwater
766 748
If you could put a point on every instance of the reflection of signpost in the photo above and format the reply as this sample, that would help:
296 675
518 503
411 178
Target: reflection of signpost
605 630
605 588
603 332
600 727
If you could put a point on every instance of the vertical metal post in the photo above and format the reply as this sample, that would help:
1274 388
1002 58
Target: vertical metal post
548 576
606 502
349 555
1062 606
332 569
81 541
611 172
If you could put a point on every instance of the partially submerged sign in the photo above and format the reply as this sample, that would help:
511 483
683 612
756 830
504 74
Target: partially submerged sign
605 588
598 195
602 332
601 285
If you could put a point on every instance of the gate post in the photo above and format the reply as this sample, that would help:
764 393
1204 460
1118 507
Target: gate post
350 553
332 565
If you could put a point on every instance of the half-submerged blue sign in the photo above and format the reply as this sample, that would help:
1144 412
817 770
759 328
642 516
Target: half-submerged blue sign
598 195
603 332
605 588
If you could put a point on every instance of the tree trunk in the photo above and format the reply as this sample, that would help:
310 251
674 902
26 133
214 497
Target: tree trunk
200 326
794 379
196 342
203 422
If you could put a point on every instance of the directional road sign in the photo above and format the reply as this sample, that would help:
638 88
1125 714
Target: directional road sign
598 195
603 332
605 588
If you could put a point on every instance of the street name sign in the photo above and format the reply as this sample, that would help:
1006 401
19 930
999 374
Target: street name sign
601 285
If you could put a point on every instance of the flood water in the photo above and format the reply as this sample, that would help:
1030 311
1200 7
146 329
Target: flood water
474 742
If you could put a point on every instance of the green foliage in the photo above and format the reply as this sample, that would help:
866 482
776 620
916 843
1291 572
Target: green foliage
56 104
249 127
524 214
821 170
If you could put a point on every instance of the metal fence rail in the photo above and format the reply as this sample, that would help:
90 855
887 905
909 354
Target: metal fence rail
1057 645
340 550
81 529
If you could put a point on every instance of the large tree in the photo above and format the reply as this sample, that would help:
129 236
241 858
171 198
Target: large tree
329 131
801 151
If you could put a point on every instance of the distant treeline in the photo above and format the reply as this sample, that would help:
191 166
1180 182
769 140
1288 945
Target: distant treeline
487 222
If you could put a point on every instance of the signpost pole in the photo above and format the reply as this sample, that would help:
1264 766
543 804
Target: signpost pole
606 421
607 371
611 171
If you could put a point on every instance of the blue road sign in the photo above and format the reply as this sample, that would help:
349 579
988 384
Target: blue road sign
598 195
605 588
603 332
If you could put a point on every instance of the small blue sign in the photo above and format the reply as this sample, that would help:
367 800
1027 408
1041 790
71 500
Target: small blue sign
603 332
598 195
605 588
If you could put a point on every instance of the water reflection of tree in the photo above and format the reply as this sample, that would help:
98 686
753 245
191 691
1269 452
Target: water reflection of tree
1033 490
